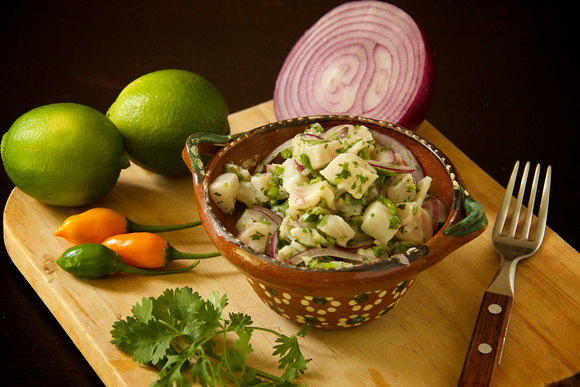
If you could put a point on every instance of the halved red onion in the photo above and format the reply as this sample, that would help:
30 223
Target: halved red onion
363 58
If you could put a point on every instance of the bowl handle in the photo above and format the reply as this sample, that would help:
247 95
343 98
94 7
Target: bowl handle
475 218
197 157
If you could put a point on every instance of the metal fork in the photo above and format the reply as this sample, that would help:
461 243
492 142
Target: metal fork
487 341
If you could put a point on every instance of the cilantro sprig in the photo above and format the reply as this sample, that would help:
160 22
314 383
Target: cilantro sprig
180 333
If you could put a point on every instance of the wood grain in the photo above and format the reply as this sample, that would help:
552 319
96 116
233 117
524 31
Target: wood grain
486 346
422 342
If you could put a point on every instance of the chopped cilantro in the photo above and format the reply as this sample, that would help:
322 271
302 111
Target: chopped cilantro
395 222
286 153
364 154
344 173
306 161
257 236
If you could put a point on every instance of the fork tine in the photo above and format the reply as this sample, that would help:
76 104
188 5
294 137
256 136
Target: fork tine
505 203
518 207
531 202
543 212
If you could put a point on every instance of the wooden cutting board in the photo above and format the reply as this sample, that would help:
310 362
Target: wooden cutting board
421 342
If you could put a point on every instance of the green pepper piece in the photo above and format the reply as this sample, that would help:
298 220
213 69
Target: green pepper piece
94 260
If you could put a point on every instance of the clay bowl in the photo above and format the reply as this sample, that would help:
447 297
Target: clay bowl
337 298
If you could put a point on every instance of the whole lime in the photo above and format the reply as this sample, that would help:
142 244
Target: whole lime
63 154
157 112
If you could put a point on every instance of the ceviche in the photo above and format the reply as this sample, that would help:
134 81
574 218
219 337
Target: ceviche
332 199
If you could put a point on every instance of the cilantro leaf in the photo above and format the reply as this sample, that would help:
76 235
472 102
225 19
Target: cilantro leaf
178 331
154 341
171 373
201 373
220 302
184 303
288 350
143 311
291 358
121 331
239 321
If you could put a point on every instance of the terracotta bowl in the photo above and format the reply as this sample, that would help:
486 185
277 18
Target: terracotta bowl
337 298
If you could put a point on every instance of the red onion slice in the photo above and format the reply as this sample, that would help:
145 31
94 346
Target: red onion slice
435 209
273 243
279 149
363 58
392 167
388 156
299 166
331 132
360 245
331 252
309 136
274 217
406 154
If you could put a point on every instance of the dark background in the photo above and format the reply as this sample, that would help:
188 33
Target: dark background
506 90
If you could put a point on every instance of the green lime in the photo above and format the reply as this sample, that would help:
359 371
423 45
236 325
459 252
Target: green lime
157 112
63 154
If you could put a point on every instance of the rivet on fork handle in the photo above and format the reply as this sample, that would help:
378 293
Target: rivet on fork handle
487 341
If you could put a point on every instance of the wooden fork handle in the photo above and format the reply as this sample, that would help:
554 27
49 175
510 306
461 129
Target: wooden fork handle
487 341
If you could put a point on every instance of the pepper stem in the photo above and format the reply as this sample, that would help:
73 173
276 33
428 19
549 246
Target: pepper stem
136 270
131 226
171 254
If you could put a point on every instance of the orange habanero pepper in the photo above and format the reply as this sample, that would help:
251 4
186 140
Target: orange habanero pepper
98 224
148 251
